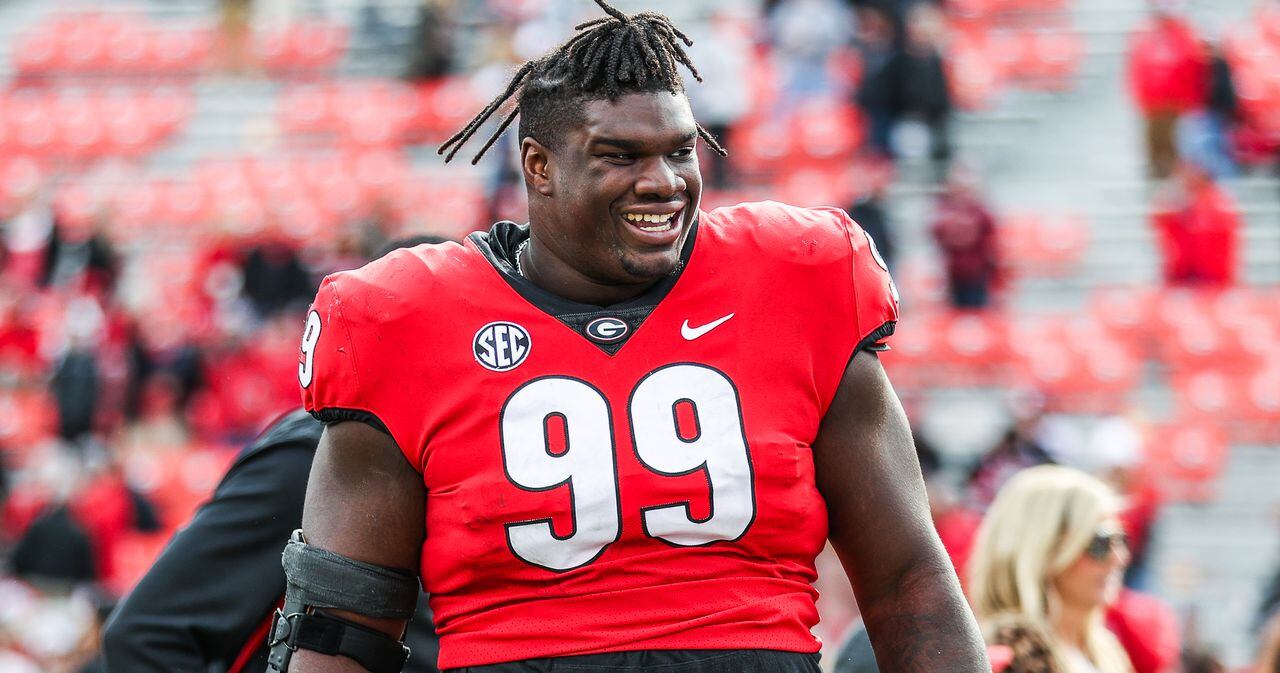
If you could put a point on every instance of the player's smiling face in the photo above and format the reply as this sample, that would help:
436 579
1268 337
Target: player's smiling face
620 193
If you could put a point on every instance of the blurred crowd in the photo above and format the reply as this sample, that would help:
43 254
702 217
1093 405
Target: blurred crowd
131 370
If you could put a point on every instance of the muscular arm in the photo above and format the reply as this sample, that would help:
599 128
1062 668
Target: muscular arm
364 501
880 527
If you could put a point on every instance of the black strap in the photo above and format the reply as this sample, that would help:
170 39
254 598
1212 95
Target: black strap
322 579
377 652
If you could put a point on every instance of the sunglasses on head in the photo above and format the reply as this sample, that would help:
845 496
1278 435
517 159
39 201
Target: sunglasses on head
1103 542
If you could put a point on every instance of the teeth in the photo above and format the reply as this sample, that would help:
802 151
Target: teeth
655 219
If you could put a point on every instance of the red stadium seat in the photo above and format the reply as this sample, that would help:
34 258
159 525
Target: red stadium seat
1178 307
126 52
759 145
1208 394
35 53
826 130
1054 58
179 51
82 47
19 175
1043 245
974 78
132 556
1187 459
814 187
306 108
135 210
186 203
913 359
319 45
1126 312
167 109
1011 51
974 346
300 47
972 10
444 107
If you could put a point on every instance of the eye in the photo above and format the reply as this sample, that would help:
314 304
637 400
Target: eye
619 158
683 153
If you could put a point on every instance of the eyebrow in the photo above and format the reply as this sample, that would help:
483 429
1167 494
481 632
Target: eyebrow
633 146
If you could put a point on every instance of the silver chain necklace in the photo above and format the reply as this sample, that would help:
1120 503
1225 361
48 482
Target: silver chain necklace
520 252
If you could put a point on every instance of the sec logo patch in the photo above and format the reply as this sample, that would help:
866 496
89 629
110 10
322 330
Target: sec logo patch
606 330
501 346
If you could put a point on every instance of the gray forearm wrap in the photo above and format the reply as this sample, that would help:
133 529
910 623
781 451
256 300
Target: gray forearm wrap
322 579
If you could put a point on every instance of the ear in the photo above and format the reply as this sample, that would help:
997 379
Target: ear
536 161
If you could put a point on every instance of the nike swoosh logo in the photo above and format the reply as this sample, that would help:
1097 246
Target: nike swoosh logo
691 333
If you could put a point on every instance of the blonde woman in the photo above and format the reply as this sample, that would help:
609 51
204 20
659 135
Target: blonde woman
1050 555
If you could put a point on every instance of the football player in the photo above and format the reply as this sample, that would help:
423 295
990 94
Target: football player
615 438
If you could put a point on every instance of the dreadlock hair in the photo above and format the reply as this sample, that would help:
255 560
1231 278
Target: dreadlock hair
610 56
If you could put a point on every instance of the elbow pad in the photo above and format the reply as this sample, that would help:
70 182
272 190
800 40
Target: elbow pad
318 579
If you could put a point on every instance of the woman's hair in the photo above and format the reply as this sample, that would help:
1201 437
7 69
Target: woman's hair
1040 523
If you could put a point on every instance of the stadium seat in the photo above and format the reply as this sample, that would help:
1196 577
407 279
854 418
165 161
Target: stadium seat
131 557
975 79
444 107
34 53
306 108
27 419
1126 312
759 145
300 47
974 346
1187 458
1054 58
1207 394
1177 307
1042 245
827 130
179 52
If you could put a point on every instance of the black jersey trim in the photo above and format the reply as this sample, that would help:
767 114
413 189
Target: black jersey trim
498 246
500 242
330 415
871 342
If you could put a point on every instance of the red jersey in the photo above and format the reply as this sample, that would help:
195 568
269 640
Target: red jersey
636 477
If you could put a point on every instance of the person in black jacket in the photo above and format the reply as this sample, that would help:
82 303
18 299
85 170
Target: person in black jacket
206 603
917 82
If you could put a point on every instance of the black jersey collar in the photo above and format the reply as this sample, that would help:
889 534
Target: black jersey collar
499 244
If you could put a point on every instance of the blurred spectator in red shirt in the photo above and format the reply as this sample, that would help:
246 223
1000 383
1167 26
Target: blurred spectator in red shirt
965 232
1198 227
1168 76
1148 629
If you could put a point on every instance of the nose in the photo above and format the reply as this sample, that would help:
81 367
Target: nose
658 182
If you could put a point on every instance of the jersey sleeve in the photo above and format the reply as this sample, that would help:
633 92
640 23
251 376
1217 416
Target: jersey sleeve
329 362
875 297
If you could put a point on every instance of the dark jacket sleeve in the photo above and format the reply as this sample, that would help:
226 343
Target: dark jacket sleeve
220 577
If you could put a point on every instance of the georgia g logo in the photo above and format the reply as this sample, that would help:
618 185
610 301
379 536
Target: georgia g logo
501 346
606 330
